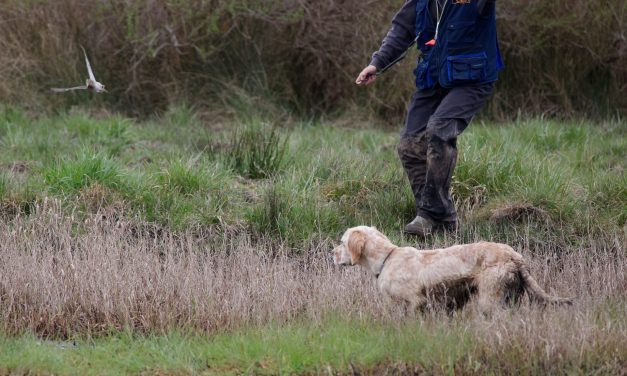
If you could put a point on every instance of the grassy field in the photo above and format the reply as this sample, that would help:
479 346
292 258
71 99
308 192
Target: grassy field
304 181
188 245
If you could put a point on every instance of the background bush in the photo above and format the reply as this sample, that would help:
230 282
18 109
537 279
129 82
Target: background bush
564 58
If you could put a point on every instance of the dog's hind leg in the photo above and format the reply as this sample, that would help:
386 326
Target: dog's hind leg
490 292
513 290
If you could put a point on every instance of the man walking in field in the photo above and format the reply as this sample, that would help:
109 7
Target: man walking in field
455 75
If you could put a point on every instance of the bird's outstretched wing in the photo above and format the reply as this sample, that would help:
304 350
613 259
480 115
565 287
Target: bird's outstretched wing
64 89
91 74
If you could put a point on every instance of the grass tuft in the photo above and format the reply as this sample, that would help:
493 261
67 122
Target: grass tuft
181 178
257 151
69 176
4 185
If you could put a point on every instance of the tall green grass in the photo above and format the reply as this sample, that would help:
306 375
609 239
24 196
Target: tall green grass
312 179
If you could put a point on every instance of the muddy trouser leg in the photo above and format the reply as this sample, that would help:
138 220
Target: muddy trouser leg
412 148
450 119
412 151
436 202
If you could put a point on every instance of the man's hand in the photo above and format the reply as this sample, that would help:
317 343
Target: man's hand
367 76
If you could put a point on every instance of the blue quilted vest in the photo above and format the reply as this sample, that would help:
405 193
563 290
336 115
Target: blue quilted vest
466 52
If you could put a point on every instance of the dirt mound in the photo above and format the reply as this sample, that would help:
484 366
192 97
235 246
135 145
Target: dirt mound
516 212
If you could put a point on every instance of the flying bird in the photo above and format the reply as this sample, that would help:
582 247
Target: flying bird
90 84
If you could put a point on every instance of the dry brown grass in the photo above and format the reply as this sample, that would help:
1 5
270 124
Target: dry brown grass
59 278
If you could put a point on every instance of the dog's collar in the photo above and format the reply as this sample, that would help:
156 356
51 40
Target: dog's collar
383 263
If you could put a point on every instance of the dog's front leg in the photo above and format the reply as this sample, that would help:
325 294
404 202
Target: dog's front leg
417 305
400 305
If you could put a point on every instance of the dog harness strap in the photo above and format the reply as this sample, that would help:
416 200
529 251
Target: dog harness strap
383 263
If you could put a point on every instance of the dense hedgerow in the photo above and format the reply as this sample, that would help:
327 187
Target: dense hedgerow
563 58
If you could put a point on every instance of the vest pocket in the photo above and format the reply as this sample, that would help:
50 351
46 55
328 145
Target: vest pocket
467 68
461 33
423 76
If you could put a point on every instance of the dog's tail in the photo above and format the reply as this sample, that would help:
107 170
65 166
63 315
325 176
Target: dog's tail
536 293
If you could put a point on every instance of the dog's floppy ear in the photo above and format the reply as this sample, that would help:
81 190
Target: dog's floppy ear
356 242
